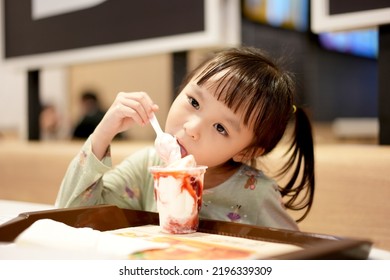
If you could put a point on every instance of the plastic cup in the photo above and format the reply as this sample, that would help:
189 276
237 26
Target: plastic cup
178 194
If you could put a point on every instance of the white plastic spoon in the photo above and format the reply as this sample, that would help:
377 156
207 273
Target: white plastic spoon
166 145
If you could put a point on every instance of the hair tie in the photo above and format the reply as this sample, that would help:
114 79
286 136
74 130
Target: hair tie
294 109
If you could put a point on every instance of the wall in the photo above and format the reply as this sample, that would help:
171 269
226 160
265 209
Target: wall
151 74
221 22
12 102
331 85
62 86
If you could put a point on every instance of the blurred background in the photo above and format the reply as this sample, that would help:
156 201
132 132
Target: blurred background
337 72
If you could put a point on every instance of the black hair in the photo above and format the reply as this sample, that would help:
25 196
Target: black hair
251 81
89 95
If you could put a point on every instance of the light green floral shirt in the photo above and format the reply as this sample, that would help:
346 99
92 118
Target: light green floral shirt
247 197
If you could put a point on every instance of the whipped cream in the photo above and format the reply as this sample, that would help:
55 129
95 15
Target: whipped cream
185 162
178 190
176 205
167 148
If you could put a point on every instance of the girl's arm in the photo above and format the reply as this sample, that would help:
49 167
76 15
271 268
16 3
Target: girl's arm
82 184
89 181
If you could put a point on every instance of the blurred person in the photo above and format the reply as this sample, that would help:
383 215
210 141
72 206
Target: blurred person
49 122
92 114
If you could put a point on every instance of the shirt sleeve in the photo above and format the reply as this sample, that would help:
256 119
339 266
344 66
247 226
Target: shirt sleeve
81 185
89 181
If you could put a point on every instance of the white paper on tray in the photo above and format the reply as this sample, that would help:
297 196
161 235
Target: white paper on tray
47 233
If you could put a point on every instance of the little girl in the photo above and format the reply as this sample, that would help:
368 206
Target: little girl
232 109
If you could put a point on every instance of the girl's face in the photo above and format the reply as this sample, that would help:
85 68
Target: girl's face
206 127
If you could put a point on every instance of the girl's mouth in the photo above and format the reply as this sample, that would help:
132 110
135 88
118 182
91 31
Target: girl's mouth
183 151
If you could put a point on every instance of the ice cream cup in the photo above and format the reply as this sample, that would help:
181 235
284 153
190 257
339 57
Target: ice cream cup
178 193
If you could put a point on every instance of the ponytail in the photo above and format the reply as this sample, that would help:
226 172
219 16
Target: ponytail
299 191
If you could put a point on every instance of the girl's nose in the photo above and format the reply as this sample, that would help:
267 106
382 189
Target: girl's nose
192 128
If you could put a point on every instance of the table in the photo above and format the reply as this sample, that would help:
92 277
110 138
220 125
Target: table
10 209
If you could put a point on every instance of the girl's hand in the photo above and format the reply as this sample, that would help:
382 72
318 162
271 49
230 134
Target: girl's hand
128 108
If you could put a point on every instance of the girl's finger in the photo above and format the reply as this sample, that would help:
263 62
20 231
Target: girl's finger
141 103
127 110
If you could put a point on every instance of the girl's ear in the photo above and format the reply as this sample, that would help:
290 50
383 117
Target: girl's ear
248 154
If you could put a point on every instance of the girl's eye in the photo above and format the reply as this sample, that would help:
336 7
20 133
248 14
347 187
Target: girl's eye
220 129
193 102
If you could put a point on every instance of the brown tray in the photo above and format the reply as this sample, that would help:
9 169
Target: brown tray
108 217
